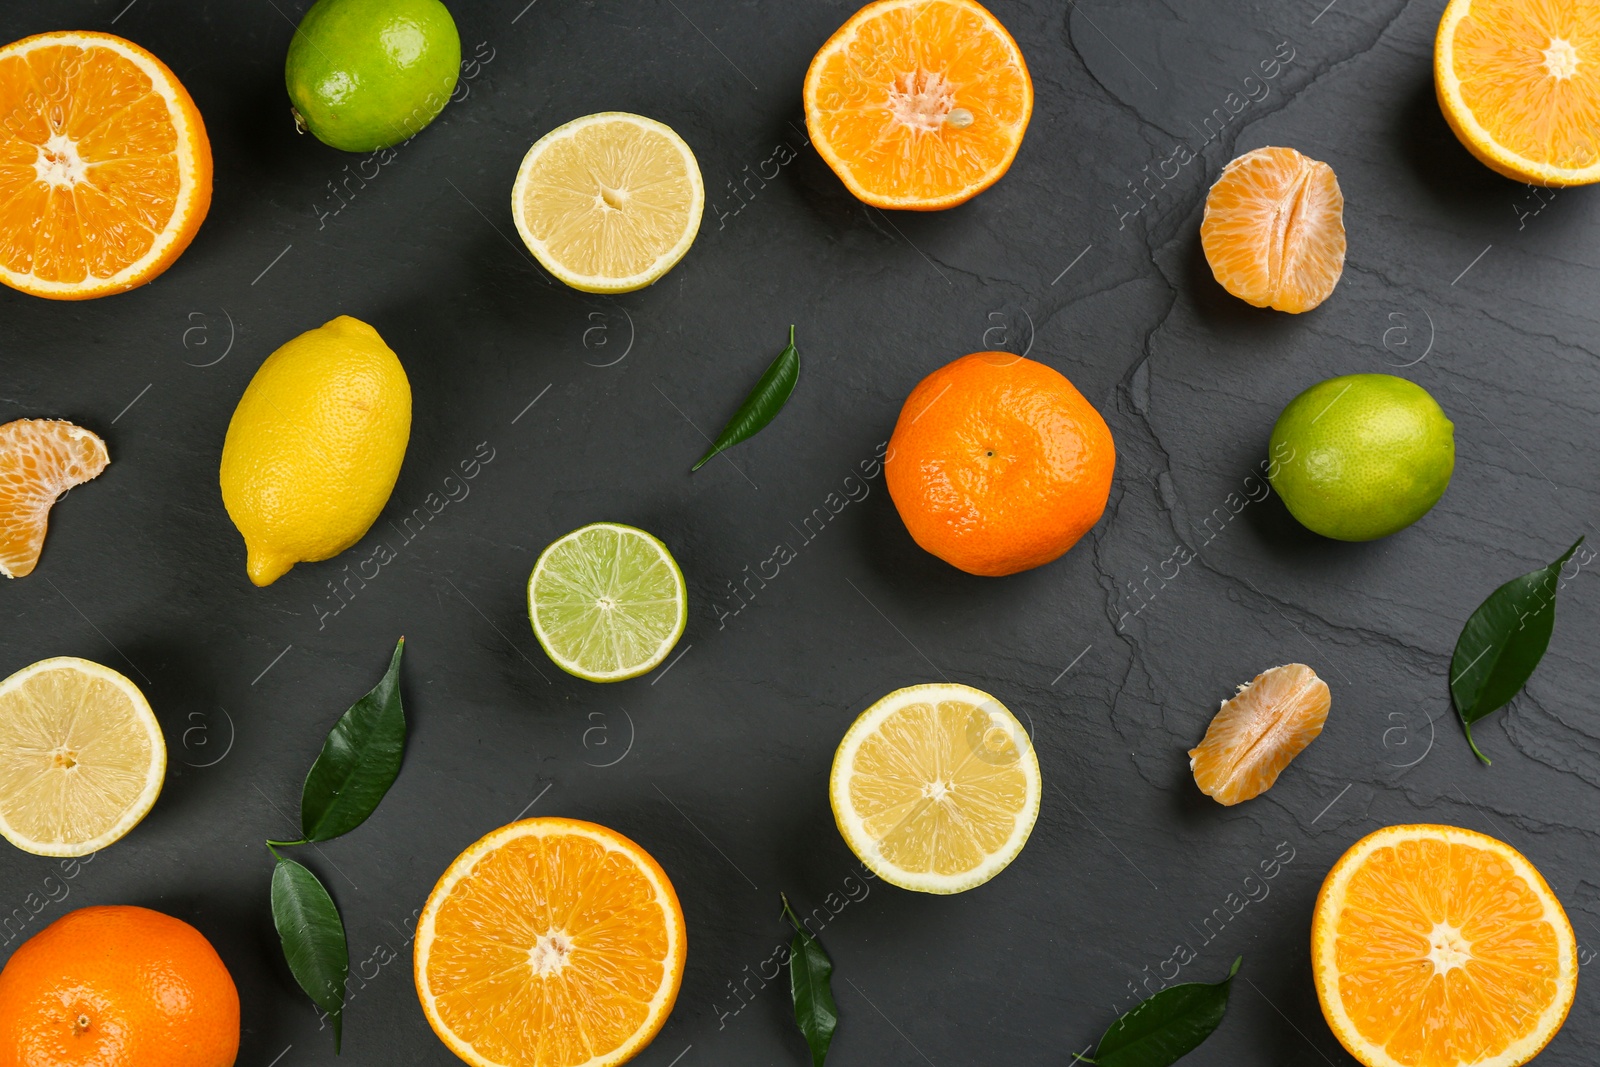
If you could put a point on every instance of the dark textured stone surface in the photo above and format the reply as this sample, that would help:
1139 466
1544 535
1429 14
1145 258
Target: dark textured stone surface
719 765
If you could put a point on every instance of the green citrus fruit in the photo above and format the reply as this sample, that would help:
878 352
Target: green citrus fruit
607 601
1361 456
368 74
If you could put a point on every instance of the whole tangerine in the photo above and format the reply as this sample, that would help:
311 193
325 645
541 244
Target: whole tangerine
998 464
118 986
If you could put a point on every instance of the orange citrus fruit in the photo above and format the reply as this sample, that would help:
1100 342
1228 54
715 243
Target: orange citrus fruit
40 459
1519 83
1274 230
550 942
117 987
105 169
1255 735
919 104
998 464
1434 946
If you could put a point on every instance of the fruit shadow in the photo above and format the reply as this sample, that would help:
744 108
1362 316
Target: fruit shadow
1248 329
1434 155
183 690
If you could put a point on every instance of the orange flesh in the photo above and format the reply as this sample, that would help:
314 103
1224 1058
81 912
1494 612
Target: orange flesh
1274 230
919 104
1419 902
550 952
1256 734
40 459
1530 75
92 153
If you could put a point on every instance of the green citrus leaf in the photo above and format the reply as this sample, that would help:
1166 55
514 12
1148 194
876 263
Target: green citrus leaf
359 761
763 403
1503 642
1167 1026
312 933
809 973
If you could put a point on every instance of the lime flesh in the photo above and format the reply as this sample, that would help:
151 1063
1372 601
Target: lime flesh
607 602
1361 456
367 74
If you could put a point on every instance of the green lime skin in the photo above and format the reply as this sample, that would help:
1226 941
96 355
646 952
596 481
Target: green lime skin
1361 456
368 74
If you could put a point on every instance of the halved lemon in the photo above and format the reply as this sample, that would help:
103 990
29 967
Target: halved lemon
1519 83
609 202
550 943
608 602
1433 946
82 758
936 788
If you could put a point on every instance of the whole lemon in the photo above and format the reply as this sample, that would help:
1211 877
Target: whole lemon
315 446
1362 456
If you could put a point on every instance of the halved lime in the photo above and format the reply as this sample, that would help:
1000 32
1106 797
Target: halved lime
607 602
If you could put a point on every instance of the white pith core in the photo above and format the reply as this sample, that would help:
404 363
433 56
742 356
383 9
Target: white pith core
548 956
1447 949
1561 59
925 101
59 165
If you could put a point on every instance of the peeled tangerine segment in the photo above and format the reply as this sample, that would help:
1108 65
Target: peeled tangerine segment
1258 732
1274 230
40 459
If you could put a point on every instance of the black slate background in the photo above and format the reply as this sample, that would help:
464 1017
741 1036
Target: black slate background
719 764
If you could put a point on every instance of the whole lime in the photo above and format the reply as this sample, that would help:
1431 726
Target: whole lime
1361 456
368 74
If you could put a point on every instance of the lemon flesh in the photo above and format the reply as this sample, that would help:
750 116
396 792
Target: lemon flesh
315 446
936 788
607 602
82 758
609 203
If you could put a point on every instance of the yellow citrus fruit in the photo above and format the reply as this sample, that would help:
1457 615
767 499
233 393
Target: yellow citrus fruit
1433 946
105 168
550 943
935 788
315 446
609 202
1519 83
82 758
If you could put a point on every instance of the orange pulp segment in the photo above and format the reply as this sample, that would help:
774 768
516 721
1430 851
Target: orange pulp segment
1274 230
1519 83
105 169
919 104
40 459
1255 735
1433 946
550 943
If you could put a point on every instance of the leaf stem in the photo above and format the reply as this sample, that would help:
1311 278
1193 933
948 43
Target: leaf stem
1487 762
286 844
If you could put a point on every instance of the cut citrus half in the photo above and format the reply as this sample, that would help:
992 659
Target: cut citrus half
550 943
40 459
1433 946
1255 735
919 104
935 788
609 202
1273 231
105 169
82 758
608 602
1519 83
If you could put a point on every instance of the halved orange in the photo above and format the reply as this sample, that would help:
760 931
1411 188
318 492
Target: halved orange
105 169
1274 229
919 104
1255 735
550 943
1519 83
40 459
1433 946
